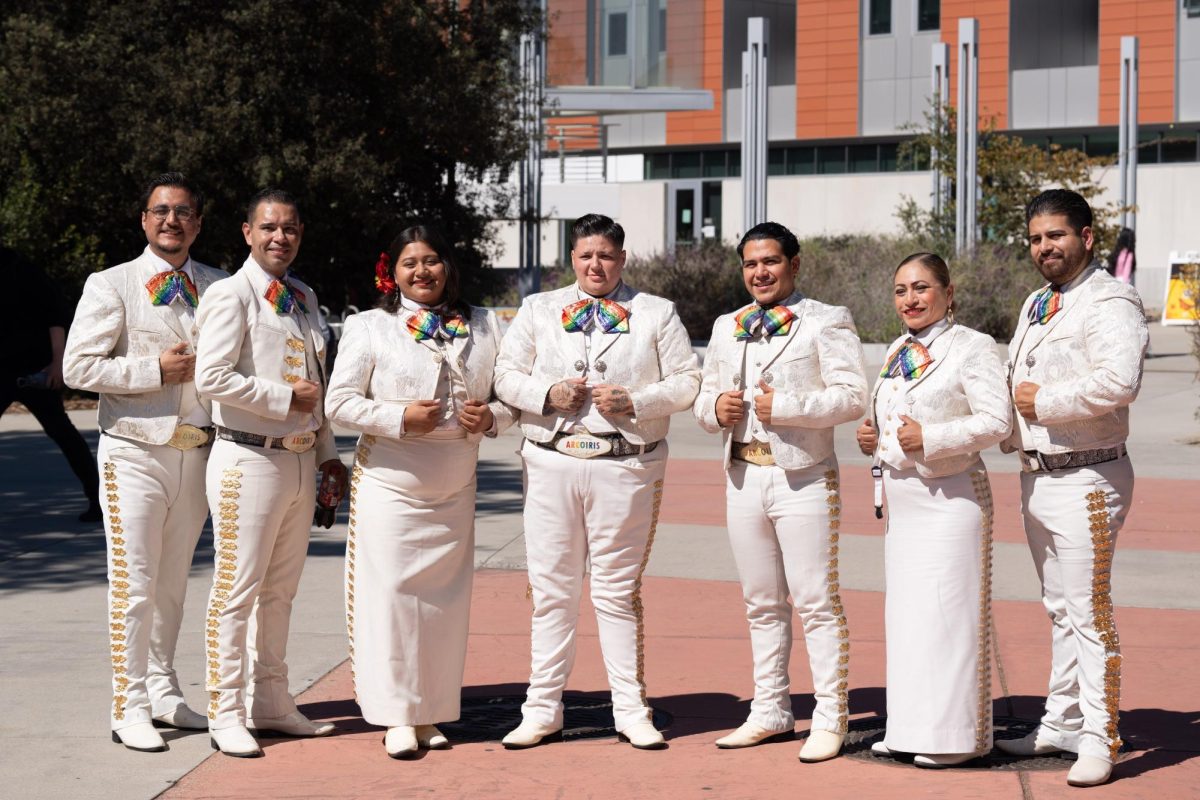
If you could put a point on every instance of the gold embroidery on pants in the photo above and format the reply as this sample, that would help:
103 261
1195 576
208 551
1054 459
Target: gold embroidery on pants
118 594
361 458
639 610
1102 613
833 587
983 655
226 521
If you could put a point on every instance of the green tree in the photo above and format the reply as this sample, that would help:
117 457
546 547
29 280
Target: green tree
1011 173
372 113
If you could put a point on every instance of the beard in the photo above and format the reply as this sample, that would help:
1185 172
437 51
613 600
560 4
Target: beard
1062 270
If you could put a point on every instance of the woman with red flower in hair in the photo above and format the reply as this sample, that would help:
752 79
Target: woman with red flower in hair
414 376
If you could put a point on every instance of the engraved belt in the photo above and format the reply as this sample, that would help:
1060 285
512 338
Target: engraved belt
188 436
617 445
295 442
753 452
1033 461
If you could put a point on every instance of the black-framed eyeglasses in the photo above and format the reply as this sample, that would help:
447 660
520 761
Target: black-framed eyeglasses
182 213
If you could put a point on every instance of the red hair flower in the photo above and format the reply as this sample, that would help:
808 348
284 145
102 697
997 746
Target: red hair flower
383 274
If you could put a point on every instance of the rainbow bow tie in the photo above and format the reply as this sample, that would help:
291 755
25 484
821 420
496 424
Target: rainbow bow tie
166 286
1046 304
425 324
285 298
908 362
776 319
580 316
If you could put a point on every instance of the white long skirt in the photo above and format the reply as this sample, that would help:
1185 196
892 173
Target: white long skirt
938 553
409 569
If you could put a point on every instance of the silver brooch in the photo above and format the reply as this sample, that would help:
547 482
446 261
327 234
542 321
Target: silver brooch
579 365
601 366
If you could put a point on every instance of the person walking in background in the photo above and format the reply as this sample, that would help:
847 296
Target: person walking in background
1075 366
596 369
132 342
779 374
1122 263
415 378
260 360
941 398
34 331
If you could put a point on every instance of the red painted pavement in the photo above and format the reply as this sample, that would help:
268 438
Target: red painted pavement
698 669
1163 516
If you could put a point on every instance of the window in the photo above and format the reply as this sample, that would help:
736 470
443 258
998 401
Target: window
879 17
863 157
1192 7
685 165
662 30
800 160
831 159
929 15
618 34
776 159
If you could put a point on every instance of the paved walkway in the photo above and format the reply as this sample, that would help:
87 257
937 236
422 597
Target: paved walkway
55 678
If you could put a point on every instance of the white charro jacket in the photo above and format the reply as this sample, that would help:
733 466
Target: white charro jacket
654 361
1087 359
818 377
247 352
381 368
115 343
961 401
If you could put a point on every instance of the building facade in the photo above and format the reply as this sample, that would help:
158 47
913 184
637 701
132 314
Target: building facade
647 123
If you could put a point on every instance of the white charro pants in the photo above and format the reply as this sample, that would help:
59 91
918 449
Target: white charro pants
154 509
262 507
410 562
605 509
1072 519
783 528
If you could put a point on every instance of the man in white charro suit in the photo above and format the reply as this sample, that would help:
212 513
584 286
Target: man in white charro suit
1075 366
260 359
133 342
596 370
779 374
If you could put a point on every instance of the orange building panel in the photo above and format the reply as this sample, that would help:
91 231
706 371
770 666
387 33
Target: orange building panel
827 36
1153 22
689 22
993 54
566 55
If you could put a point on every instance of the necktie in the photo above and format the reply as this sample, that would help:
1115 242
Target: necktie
1046 304
581 315
908 362
774 320
166 286
425 324
285 298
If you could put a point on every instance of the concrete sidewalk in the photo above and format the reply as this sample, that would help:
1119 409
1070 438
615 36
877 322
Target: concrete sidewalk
52 598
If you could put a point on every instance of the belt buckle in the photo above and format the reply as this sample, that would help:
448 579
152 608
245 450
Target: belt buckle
757 453
299 442
583 445
186 437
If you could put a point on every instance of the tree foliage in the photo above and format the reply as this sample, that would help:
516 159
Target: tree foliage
372 113
1011 173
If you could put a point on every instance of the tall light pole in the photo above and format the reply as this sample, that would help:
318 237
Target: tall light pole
967 178
754 122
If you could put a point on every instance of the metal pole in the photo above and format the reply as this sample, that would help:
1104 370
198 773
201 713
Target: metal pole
754 122
940 92
968 134
533 76
1129 125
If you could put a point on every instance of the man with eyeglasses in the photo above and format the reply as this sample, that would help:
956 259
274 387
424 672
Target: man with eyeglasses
132 342
261 359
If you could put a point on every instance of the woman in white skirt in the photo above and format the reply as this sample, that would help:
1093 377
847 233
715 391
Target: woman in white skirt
941 398
415 377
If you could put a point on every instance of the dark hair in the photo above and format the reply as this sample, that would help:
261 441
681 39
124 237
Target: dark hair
772 230
272 195
176 180
935 264
1061 201
597 225
1126 240
431 236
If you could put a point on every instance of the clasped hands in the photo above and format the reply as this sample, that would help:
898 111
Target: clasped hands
567 397
422 416
731 407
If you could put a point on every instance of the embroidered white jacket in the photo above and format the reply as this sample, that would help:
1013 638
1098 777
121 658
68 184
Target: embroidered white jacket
818 377
115 343
961 401
654 362
245 351
381 368
1088 361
